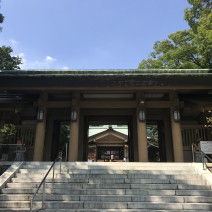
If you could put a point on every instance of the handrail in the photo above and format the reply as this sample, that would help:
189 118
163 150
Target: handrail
203 155
59 157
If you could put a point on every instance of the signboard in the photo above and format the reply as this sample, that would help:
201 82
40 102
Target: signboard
206 146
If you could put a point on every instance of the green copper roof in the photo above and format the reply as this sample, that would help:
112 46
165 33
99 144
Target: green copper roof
112 78
107 71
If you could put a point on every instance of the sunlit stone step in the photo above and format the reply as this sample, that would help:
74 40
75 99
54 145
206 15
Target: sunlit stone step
107 187
19 204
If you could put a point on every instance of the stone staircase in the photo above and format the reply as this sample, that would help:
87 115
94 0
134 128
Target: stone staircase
105 187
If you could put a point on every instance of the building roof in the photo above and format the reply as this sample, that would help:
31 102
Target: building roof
106 78
109 131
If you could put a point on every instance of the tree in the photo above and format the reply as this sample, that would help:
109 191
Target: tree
201 8
8 62
1 20
187 49
8 132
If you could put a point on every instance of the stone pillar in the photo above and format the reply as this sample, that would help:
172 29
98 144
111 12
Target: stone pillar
176 130
40 129
142 140
74 132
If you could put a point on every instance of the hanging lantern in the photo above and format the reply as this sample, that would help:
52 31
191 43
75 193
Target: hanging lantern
74 115
40 115
142 115
176 115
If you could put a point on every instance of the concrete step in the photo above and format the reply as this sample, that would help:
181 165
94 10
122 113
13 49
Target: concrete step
16 210
105 187
50 180
129 198
198 180
109 171
170 186
127 205
171 206
141 192
114 181
194 193
19 204
110 198
93 191
94 210
18 191
38 171
111 175
110 165
169 192
167 181
113 210
111 186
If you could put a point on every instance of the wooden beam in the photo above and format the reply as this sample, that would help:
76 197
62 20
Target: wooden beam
157 104
59 104
103 104
107 104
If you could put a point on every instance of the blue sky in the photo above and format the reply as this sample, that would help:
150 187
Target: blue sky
88 34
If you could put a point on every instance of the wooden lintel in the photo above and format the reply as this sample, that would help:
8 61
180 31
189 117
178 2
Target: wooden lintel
59 104
157 104
108 104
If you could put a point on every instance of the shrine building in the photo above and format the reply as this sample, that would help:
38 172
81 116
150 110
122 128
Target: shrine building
46 104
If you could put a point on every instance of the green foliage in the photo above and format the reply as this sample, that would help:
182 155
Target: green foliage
1 20
64 134
8 132
200 8
208 119
154 129
187 49
8 62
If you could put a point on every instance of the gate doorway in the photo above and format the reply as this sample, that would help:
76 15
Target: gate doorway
156 141
108 139
61 136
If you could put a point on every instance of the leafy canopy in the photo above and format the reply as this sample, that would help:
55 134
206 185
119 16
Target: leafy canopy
8 62
187 49
8 132
1 20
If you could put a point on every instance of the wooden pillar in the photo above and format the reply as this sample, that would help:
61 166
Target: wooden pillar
74 132
40 129
142 133
142 140
176 130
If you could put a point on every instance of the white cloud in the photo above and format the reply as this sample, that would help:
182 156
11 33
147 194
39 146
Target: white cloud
46 63
49 59
65 67
23 60
13 42
21 55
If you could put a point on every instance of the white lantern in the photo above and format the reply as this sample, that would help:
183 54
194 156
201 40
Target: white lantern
40 115
142 115
74 115
176 115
